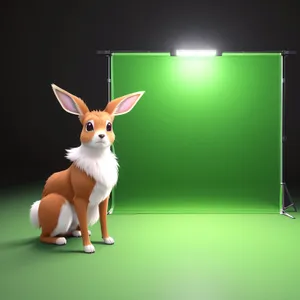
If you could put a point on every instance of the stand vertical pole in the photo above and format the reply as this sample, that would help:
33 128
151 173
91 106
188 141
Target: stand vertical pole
108 54
112 195
286 199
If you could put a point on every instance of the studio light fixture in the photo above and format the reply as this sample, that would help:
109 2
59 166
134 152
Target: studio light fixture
196 52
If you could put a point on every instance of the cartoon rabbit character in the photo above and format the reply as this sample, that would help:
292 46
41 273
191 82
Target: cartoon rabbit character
77 197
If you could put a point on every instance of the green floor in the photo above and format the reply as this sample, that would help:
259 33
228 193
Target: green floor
156 256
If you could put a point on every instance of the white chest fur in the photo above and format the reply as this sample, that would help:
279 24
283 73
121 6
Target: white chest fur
101 165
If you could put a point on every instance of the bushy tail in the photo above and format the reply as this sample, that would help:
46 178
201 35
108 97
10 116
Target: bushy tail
34 216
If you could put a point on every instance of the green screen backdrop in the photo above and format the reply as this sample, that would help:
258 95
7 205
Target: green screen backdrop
204 138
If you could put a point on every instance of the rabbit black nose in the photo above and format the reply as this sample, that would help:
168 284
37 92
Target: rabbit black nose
101 136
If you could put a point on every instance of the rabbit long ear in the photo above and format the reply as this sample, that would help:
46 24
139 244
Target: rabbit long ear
69 102
124 104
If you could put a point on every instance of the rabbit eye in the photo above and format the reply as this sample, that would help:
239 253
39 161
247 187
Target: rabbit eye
108 126
89 126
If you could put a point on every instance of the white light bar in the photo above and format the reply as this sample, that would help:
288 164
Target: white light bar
196 52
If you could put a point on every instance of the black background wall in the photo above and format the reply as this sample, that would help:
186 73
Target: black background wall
47 42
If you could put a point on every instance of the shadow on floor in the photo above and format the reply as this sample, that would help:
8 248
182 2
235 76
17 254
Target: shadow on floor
74 245
36 246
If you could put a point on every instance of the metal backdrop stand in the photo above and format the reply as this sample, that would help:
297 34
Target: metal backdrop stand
286 199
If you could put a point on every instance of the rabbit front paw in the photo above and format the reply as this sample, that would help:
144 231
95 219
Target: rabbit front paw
109 240
89 249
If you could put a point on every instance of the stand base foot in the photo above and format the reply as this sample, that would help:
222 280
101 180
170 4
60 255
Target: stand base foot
110 211
287 201
282 212
292 205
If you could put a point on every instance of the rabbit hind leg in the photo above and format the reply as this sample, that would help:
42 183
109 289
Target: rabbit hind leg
55 216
